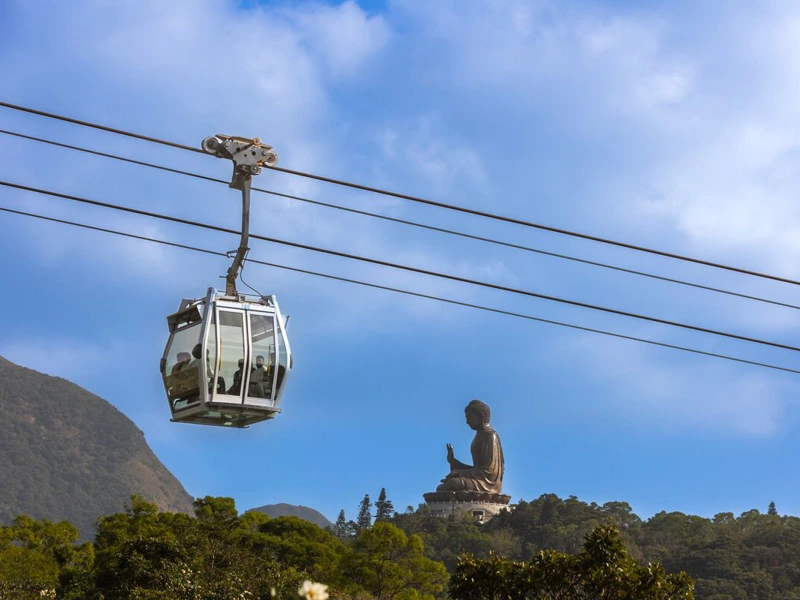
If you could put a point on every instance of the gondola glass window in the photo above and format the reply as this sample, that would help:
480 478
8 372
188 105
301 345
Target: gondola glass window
182 373
262 367
231 356
213 373
283 363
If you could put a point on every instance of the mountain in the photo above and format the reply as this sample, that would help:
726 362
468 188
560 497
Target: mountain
68 454
291 510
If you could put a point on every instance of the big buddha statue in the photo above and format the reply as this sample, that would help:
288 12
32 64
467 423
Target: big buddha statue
485 474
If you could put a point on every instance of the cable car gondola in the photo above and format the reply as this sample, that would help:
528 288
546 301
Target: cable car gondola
228 358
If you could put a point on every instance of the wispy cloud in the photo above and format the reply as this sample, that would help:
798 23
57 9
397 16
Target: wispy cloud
641 387
603 118
343 36
430 151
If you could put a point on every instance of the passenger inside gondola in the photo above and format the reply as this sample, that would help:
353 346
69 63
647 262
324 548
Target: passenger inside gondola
181 376
260 384
183 359
236 388
197 352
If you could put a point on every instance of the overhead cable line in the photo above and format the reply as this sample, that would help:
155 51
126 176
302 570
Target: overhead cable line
408 268
411 293
454 207
138 136
407 222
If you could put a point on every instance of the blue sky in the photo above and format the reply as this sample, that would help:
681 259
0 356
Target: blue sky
673 125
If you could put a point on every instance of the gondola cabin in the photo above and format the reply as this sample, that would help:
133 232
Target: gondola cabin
226 361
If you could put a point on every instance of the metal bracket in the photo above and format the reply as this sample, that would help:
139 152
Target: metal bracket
248 156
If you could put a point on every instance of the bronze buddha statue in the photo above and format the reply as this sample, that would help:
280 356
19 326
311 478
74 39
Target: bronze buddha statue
485 475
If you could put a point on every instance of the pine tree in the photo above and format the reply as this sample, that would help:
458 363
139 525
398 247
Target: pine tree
772 511
364 518
340 527
351 528
384 507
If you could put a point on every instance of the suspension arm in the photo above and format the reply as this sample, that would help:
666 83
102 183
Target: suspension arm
248 156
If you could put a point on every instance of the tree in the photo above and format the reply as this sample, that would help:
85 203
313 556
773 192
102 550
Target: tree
302 545
602 571
351 528
147 554
364 518
41 555
772 511
390 565
340 527
18 565
384 507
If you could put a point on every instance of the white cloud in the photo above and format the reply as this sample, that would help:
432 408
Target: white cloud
171 70
645 388
663 88
727 140
641 108
682 123
735 194
344 36
425 147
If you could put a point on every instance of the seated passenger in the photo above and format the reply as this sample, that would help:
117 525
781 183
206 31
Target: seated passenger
182 381
197 352
183 359
236 388
260 383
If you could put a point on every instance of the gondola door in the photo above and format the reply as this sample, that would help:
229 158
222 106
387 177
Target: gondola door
232 358
263 357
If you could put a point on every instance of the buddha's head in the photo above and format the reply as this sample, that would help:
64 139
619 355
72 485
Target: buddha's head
477 414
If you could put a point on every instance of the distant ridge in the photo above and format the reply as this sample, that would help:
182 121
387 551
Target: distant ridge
70 455
292 510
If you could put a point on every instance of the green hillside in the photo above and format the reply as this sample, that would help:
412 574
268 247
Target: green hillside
750 557
292 510
70 455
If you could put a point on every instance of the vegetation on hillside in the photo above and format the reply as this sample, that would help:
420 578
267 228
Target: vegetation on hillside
603 569
293 510
69 455
144 553
217 554
754 556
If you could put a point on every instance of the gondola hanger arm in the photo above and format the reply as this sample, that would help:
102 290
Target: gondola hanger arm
248 156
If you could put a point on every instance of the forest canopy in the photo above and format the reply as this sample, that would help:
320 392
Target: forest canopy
217 553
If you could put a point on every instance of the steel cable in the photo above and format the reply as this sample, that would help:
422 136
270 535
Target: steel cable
413 294
408 268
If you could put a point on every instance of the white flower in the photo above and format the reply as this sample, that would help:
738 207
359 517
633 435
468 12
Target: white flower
313 591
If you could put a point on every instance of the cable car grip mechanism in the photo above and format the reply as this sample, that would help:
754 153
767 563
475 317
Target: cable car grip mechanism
248 156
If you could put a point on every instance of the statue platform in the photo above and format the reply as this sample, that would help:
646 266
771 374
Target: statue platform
481 505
